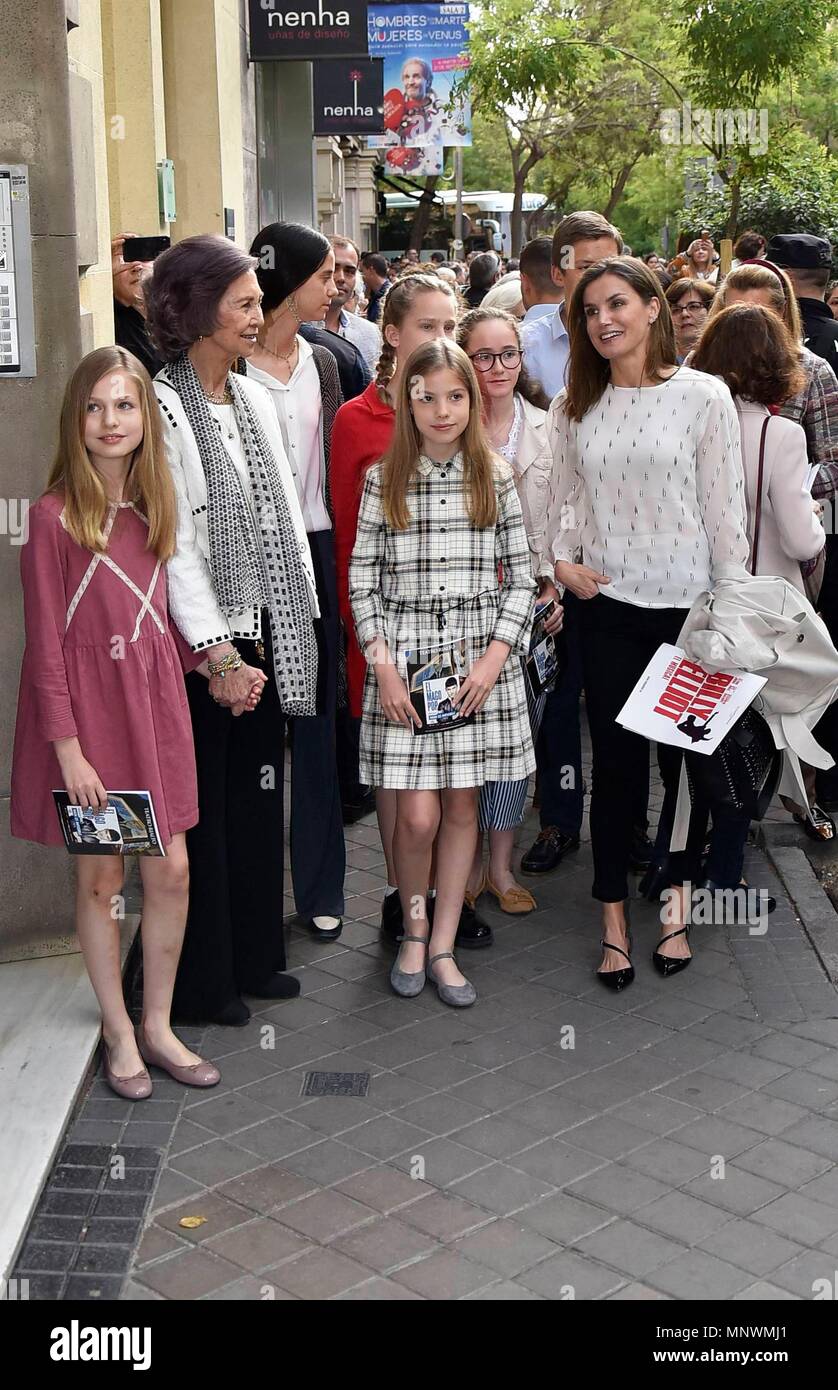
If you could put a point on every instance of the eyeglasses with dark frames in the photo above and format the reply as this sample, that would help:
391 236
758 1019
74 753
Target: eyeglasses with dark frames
484 360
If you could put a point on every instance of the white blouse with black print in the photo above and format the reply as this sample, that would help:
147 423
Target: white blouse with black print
649 485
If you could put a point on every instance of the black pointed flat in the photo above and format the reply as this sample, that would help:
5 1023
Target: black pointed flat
616 979
671 965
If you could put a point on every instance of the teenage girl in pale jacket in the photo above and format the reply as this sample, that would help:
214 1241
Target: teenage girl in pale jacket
515 419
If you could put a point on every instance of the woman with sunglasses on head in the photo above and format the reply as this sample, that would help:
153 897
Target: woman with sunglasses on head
514 416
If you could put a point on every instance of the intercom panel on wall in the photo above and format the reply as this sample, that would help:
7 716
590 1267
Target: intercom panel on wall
17 317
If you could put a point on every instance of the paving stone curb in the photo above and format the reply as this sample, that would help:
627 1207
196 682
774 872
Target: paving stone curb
811 902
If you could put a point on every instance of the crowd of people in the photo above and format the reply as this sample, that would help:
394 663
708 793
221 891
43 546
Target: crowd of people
304 474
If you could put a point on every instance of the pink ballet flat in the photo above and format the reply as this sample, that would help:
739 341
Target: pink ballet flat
199 1074
136 1087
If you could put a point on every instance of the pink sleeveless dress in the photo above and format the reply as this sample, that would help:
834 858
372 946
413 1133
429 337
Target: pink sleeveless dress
102 664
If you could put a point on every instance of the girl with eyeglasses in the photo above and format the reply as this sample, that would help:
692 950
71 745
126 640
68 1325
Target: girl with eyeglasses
515 420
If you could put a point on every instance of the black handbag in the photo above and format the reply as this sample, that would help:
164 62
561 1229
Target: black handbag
742 774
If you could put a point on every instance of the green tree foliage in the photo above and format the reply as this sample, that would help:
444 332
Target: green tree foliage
794 189
739 49
579 91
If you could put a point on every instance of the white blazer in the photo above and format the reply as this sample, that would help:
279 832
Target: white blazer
789 529
533 468
192 601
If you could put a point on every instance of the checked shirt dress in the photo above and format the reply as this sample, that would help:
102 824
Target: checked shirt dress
433 585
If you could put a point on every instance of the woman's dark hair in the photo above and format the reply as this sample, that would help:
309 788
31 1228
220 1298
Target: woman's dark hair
287 254
588 371
187 286
749 246
753 352
526 386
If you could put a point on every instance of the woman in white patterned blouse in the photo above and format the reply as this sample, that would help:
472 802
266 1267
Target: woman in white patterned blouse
648 486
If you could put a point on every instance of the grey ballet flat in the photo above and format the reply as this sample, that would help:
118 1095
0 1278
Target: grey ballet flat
408 984
458 996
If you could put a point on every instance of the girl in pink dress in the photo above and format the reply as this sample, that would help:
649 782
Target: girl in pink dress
102 702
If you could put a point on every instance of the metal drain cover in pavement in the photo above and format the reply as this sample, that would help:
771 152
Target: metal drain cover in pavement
336 1083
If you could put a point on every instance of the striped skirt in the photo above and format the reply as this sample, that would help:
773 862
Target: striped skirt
502 804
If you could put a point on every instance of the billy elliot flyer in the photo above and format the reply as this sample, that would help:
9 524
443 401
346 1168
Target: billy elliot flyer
425 53
676 701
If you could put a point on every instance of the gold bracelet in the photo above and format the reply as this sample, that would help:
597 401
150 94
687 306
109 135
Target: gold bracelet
231 662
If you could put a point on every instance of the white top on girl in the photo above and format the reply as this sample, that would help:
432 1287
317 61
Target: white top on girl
650 485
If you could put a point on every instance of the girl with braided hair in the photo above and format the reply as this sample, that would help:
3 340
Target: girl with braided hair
417 309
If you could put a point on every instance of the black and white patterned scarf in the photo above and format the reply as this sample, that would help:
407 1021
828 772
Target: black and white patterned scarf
254 551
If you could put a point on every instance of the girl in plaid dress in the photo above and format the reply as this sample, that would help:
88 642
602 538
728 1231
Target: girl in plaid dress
438 516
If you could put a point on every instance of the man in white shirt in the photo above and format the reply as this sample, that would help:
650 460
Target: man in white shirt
358 331
580 240
542 298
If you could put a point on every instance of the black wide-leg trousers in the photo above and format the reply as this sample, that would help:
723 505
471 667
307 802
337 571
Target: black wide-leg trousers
318 847
234 935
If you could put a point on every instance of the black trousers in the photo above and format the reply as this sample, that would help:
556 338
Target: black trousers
234 936
318 848
559 744
618 642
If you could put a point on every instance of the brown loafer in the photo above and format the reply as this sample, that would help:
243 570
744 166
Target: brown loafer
198 1074
470 899
136 1087
514 901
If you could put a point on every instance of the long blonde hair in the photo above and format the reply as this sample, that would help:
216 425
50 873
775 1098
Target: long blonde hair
778 287
149 484
398 302
398 468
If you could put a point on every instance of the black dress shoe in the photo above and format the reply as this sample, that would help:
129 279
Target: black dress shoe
277 986
472 933
547 852
739 914
233 1015
642 850
325 933
392 919
358 804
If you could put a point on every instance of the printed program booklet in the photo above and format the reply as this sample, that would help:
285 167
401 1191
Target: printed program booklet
677 702
433 678
127 825
542 664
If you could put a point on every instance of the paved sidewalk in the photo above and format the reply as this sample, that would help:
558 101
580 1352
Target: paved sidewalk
679 1140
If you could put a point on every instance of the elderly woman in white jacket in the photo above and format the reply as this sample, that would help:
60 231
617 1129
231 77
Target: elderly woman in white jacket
515 418
751 349
242 593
